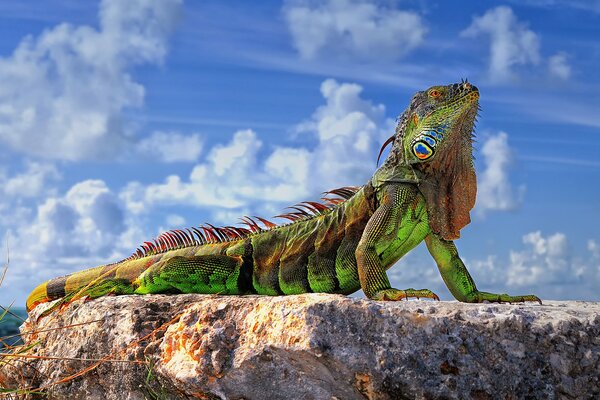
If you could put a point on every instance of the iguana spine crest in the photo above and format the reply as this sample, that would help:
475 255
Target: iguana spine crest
176 239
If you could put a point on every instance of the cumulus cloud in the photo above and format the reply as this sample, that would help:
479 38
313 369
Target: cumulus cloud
512 43
32 182
238 175
594 248
495 191
545 260
63 93
558 66
175 221
171 147
352 28
85 226
231 176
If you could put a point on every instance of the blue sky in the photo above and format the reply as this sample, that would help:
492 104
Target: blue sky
119 120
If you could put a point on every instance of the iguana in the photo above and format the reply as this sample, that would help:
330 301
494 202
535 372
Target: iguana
423 191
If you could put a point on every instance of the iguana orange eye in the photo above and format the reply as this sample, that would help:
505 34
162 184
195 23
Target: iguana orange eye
435 93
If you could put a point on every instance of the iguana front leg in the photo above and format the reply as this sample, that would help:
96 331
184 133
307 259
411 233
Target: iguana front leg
379 233
457 278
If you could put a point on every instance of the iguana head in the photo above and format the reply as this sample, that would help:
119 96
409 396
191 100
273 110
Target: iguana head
439 120
434 137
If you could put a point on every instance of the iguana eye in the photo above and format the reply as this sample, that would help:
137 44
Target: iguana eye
435 93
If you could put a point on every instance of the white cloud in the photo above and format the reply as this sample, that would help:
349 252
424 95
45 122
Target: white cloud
236 176
175 221
231 177
546 265
512 43
82 228
171 147
594 248
494 191
85 227
63 93
546 260
352 28
558 66
32 182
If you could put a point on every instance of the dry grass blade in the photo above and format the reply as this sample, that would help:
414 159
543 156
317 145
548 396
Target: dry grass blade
35 332
16 355
97 362
3 274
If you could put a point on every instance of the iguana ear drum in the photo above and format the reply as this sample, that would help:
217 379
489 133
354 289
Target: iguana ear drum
422 150
423 146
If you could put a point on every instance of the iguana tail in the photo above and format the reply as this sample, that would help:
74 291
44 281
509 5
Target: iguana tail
93 282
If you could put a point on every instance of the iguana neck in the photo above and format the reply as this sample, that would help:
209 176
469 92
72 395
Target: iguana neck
399 165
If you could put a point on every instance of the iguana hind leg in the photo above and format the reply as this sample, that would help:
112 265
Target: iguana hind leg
211 274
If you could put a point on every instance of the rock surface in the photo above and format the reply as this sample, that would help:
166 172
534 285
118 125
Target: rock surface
311 347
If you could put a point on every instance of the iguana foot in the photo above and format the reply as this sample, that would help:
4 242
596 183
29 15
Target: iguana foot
480 297
397 294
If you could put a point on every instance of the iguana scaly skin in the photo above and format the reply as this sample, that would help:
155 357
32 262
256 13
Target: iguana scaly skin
424 191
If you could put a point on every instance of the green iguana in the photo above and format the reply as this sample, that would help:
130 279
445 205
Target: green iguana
424 190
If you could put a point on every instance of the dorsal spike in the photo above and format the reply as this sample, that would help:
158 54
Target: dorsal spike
176 239
299 210
266 222
293 216
334 201
346 192
228 233
190 236
254 227
168 240
318 206
216 235
233 232
201 238
310 209
225 233
217 232
209 234
183 240
182 236
243 231
385 144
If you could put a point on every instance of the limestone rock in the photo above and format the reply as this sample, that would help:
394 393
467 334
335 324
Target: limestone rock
313 346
